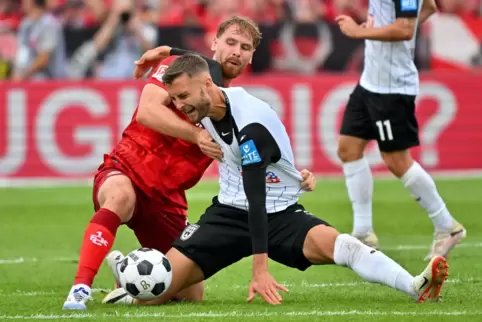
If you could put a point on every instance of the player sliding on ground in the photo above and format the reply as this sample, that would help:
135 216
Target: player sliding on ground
142 182
251 216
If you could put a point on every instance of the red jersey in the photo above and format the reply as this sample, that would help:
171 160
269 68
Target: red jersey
163 167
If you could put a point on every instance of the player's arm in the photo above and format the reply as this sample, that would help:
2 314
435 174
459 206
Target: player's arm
258 150
154 113
153 57
429 7
403 28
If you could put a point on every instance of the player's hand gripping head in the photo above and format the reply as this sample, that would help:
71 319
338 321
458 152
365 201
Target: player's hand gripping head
234 45
187 80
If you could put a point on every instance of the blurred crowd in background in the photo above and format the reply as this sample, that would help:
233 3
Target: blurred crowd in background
76 39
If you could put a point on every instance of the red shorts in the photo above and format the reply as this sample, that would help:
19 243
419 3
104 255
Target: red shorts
153 225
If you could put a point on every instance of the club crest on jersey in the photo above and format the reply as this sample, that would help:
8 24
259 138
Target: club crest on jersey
249 153
160 72
271 177
189 231
409 5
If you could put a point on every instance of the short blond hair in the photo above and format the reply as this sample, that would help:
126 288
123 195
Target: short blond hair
244 24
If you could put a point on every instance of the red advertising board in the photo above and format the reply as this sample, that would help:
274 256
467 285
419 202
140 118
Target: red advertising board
60 130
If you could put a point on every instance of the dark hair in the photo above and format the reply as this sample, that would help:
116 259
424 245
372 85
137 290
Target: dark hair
191 64
41 3
244 24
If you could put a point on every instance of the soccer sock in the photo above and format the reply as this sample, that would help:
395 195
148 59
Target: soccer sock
371 265
98 239
422 187
359 183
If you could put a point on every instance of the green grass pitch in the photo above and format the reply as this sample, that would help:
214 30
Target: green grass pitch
41 231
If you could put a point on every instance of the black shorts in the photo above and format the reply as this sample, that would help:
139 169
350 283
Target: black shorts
388 118
221 237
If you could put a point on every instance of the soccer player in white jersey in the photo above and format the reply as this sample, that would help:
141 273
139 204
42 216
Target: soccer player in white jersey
257 211
382 108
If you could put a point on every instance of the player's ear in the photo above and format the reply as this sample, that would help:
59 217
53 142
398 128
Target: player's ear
208 82
214 44
251 60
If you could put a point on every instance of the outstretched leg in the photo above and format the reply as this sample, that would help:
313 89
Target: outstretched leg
324 245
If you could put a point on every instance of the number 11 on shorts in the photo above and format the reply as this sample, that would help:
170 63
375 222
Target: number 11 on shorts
385 126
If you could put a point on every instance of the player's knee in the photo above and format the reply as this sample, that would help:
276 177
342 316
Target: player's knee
350 148
117 194
398 162
194 293
319 245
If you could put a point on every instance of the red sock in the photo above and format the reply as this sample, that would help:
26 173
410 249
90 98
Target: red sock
98 239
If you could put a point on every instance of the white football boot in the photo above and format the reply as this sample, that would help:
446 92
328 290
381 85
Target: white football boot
369 239
78 297
114 260
444 242
428 284
118 296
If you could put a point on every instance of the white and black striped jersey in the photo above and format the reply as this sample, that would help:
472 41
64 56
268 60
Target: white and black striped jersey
257 152
389 66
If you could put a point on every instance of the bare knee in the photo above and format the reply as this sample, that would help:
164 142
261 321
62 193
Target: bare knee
398 162
351 148
319 245
117 194
185 274
194 293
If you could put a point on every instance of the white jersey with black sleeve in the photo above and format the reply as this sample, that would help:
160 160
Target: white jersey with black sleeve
255 145
389 66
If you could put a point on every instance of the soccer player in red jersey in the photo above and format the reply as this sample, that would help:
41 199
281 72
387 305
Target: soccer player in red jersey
142 182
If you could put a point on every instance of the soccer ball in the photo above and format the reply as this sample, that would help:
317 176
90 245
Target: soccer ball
145 273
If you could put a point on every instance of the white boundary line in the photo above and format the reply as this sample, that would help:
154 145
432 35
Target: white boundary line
304 285
25 260
65 182
213 314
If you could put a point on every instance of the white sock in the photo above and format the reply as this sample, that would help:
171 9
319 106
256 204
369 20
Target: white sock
371 265
359 183
422 187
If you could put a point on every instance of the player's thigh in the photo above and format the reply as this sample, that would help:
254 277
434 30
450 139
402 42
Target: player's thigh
356 129
114 190
220 238
154 227
288 231
393 119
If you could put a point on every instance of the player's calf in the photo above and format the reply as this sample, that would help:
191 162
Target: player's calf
186 284
115 205
398 162
448 232
324 245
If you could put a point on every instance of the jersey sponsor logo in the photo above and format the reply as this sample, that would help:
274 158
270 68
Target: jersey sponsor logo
271 177
189 231
409 5
160 72
249 153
